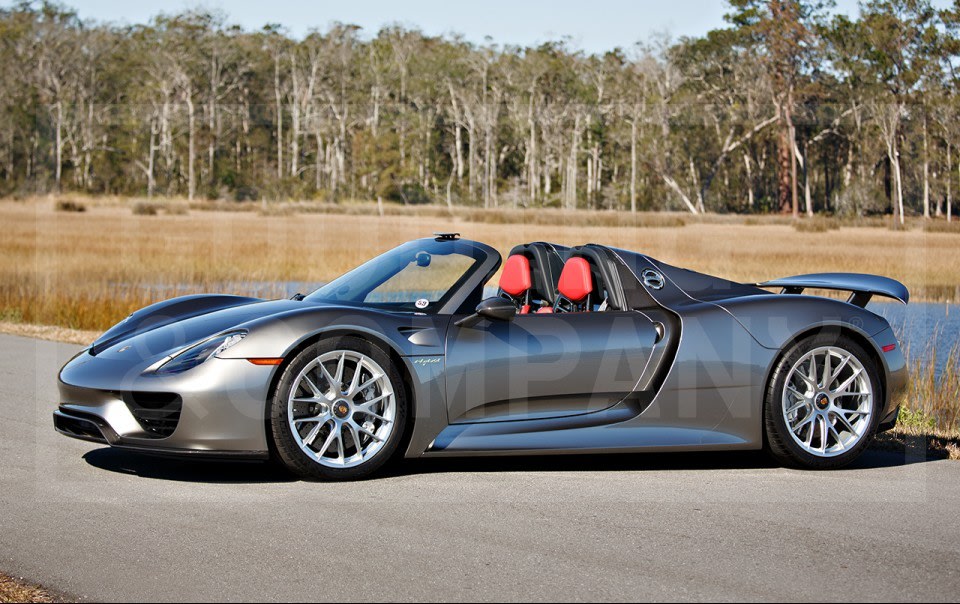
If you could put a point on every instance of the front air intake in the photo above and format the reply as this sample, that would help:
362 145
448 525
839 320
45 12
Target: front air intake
158 413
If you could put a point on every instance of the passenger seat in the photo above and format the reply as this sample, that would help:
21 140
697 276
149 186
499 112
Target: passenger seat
516 281
575 286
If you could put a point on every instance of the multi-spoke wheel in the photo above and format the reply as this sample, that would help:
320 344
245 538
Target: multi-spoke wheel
821 406
339 410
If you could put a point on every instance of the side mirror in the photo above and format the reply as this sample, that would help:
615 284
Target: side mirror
496 309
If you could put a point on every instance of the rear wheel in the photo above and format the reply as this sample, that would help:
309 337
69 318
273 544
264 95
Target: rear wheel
339 410
823 402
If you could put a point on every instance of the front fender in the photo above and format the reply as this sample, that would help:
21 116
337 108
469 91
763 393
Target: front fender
277 335
417 339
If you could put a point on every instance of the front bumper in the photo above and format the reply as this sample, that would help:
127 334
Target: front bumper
219 407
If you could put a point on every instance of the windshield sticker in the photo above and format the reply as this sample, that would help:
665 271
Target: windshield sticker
423 303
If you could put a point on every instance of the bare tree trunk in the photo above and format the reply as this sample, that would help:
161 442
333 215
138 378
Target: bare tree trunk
701 207
949 178
375 121
59 146
949 204
894 155
487 160
449 188
278 96
533 180
547 179
793 170
403 117
683 196
590 167
211 123
318 169
786 164
472 157
926 171
191 146
747 164
151 183
633 166
294 136
458 157
571 185
804 160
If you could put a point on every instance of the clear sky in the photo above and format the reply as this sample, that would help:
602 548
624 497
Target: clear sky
593 25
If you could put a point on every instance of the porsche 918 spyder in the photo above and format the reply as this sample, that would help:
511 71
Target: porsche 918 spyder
421 353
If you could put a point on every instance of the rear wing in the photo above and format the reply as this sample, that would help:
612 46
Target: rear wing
861 287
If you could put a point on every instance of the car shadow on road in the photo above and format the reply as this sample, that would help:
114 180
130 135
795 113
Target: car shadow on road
186 470
636 462
240 472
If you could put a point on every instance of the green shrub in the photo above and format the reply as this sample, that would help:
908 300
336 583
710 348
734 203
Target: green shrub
915 420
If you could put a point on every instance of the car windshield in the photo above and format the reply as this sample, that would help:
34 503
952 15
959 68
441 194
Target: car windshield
418 276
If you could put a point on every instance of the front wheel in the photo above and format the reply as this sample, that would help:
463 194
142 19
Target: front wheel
823 403
339 410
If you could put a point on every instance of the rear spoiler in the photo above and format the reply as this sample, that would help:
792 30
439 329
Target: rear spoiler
861 287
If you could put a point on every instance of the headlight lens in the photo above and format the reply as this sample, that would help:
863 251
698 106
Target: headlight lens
189 358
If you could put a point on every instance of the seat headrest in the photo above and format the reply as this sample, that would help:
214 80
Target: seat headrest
515 279
575 280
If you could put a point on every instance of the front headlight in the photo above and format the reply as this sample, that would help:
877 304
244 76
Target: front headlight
190 357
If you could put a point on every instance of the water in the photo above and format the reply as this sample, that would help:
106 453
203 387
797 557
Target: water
920 324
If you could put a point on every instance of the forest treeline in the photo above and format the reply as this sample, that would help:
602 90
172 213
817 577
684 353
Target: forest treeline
789 107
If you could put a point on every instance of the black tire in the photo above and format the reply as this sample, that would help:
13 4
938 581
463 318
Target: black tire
287 448
779 442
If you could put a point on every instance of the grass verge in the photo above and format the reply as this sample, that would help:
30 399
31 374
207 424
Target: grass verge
49 332
933 444
14 589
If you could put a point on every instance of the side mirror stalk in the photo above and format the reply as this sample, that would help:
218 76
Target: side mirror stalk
496 309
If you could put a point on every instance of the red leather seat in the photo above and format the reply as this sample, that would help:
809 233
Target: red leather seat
516 280
576 282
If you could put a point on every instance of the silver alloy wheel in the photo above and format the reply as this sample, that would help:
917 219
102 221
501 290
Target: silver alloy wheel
342 409
828 401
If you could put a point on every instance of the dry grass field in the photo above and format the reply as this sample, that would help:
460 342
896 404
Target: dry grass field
80 272
86 270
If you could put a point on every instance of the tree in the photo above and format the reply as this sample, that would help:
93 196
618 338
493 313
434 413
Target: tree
899 36
782 31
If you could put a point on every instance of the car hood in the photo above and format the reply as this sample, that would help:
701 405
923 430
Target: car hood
164 328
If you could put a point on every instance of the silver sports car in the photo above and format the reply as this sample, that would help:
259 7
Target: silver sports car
417 353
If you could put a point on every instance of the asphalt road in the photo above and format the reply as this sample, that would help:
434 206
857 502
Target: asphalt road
107 525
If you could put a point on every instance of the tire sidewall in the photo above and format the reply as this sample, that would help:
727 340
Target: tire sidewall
286 446
779 439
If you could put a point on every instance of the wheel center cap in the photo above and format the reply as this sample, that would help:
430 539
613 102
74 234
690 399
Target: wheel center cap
341 408
822 401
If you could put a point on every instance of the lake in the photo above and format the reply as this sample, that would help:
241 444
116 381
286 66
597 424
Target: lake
919 324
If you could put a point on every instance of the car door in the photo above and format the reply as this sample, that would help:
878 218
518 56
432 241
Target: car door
545 365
